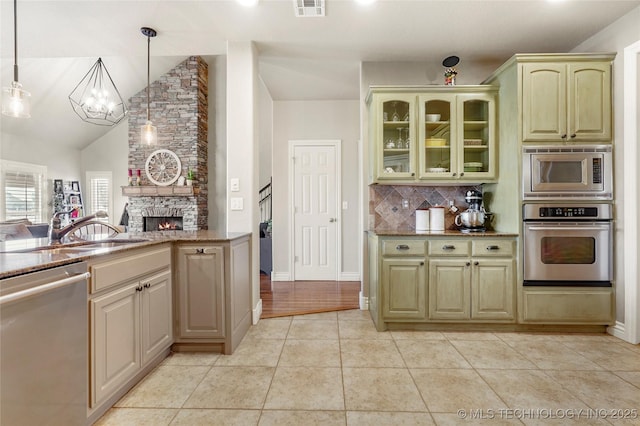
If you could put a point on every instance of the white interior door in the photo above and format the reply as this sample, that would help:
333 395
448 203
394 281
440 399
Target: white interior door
315 210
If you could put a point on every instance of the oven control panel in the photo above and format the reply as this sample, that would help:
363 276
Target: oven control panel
577 212
567 211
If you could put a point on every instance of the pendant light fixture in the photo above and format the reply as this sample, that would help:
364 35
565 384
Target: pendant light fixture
15 101
96 98
149 132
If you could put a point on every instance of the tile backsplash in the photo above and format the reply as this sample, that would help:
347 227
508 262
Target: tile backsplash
387 211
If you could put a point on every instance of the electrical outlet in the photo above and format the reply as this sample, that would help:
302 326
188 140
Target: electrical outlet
405 204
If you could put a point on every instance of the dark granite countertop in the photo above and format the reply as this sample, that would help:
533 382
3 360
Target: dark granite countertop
446 233
17 259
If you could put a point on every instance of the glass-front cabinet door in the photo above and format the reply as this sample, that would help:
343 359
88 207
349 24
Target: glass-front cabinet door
477 136
394 128
437 136
456 136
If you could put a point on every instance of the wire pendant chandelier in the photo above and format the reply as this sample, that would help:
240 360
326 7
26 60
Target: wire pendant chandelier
96 98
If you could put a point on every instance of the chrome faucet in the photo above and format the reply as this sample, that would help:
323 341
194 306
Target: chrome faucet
56 233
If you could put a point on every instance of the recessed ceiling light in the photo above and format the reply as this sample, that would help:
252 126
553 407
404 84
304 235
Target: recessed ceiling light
248 3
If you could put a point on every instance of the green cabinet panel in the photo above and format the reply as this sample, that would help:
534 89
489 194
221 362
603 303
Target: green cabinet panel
449 292
566 101
404 289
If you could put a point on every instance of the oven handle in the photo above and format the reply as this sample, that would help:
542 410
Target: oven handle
567 228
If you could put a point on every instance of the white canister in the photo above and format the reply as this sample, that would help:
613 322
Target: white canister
422 220
436 218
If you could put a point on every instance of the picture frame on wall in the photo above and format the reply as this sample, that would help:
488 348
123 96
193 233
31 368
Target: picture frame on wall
74 200
57 186
75 186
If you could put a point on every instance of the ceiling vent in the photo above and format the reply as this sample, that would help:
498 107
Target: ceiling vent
308 8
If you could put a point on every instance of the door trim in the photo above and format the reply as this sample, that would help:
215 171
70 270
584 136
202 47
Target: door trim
337 145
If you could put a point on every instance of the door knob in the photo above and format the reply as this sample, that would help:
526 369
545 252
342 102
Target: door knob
333 219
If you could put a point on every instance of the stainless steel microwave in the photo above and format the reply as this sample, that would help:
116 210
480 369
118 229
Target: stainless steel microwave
564 172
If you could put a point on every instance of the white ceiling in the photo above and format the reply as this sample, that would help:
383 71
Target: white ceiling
300 58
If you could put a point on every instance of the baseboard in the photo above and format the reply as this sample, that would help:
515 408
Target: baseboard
618 330
364 302
257 312
349 276
280 276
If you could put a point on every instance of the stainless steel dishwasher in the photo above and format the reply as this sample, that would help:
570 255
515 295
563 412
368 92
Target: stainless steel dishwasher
43 347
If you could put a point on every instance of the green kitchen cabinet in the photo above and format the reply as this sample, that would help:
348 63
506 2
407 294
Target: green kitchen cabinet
404 290
472 279
424 135
566 101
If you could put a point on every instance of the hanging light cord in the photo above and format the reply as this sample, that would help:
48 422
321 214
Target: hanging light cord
148 74
15 40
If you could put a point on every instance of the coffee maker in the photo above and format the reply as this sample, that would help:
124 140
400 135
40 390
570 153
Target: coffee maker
473 219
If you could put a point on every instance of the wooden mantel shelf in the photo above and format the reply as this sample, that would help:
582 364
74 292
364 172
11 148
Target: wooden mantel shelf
159 191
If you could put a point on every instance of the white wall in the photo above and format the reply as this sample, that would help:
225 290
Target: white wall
217 146
265 134
300 120
109 153
242 148
620 34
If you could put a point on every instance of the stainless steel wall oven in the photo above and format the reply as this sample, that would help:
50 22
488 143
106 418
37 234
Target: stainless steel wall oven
568 244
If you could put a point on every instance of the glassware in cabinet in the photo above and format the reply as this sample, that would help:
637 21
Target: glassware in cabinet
395 141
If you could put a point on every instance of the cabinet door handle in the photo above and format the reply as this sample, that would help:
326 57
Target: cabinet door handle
468 264
147 285
199 251
461 174
421 263
139 288
476 263
455 174
402 247
333 219
490 248
573 135
413 174
564 136
448 247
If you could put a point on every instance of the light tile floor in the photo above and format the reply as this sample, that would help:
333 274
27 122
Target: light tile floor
336 369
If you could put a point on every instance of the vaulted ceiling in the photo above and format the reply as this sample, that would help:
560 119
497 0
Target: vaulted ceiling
300 58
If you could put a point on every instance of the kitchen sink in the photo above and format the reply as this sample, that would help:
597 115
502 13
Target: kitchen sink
84 247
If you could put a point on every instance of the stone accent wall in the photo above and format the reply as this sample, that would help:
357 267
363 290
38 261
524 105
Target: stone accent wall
386 211
179 109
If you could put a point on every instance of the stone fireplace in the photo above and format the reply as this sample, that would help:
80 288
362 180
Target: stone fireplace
179 110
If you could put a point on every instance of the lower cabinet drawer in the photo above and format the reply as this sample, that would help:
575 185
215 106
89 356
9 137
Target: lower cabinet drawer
484 247
449 247
570 306
403 248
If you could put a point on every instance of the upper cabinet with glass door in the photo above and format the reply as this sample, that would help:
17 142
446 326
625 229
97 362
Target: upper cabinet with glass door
444 134
392 120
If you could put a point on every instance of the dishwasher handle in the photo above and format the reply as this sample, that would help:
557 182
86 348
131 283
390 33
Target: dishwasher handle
43 288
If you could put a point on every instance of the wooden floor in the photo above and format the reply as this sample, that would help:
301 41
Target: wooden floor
284 298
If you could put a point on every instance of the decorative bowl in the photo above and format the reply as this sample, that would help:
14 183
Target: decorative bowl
432 117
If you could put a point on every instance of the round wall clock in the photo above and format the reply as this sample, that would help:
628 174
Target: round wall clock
163 167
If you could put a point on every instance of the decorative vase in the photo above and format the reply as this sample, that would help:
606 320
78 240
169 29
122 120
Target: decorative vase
189 182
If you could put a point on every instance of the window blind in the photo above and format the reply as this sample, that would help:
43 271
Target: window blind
100 192
23 195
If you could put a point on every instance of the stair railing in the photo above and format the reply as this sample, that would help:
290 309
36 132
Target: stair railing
264 202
